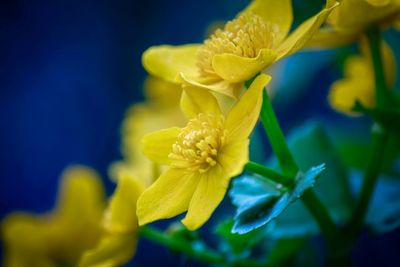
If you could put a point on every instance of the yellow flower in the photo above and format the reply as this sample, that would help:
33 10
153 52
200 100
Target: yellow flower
157 112
202 157
358 83
347 22
118 244
58 238
255 39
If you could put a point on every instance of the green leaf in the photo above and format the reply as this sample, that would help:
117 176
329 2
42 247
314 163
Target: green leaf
389 117
384 212
260 201
310 145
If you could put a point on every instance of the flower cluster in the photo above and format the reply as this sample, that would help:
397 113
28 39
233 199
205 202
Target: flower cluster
185 143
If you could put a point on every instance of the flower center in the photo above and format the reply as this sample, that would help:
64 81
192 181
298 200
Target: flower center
244 36
198 144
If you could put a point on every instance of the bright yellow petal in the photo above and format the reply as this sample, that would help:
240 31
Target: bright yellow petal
121 214
331 38
209 193
168 61
299 37
113 250
236 69
233 156
167 197
244 115
196 100
279 13
215 84
157 146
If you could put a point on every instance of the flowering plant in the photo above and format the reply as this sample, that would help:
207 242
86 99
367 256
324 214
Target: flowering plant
194 143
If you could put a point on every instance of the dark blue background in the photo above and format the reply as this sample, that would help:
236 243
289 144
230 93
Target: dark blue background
68 71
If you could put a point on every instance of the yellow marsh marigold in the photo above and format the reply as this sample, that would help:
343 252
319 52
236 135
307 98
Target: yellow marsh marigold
255 39
160 110
358 83
351 18
202 157
119 241
60 237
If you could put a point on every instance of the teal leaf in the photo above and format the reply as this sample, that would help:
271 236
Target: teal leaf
260 201
310 145
384 211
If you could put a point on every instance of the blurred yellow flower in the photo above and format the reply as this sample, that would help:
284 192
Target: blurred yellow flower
350 19
202 157
255 39
58 238
358 83
118 244
160 110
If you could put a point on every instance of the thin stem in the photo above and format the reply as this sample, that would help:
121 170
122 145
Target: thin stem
379 144
200 253
276 137
268 173
374 41
290 168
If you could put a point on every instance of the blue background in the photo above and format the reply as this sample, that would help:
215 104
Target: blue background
68 71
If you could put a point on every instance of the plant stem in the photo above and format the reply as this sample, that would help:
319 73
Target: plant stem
276 137
200 253
374 41
379 136
268 173
290 168
379 144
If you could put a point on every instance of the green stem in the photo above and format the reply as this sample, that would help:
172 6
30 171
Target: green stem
379 144
268 173
200 253
374 41
276 137
290 168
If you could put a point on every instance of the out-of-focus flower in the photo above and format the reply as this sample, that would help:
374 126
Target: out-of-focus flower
350 19
60 237
160 110
119 241
255 39
358 83
202 157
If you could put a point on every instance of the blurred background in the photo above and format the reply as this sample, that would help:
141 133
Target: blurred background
69 70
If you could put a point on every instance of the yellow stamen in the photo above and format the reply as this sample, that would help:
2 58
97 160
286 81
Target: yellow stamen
243 36
198 143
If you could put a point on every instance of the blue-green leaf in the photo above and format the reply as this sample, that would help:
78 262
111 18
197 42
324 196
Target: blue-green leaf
260 201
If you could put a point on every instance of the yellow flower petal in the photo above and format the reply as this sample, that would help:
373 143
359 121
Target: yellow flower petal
234 156
24 241
197 100
121 214
167 197
328 37
379 2
209 193
299 37
215 83
276 12
237 69
168 61
156 89
113 250
244 115
157 146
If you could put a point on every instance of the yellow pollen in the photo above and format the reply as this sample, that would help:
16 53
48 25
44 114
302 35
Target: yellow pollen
244 36
198 144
